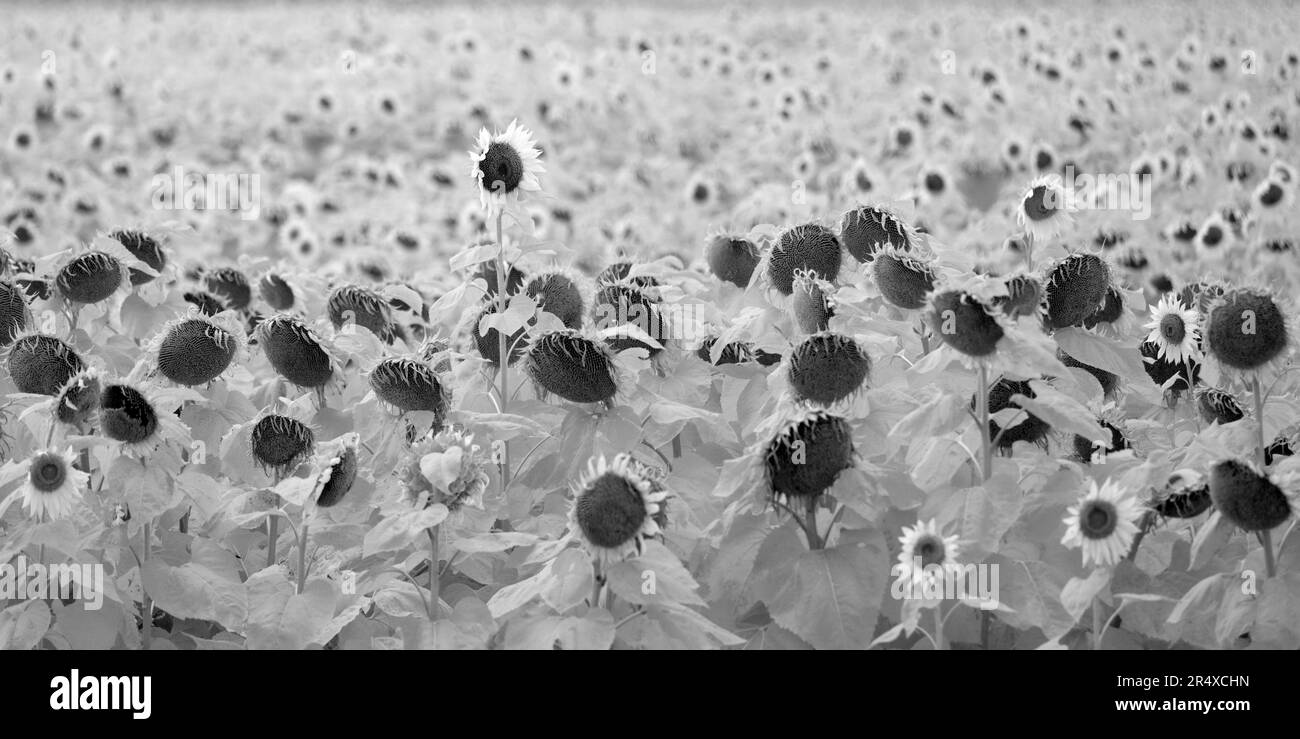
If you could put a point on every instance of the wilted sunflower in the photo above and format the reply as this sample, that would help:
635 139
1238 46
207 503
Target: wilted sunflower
1253 500
338 473
1246 329
141 420
195 349
1103 524
505 165
280 443
614 509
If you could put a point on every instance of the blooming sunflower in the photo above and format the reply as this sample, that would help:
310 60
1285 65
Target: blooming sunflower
615 509
924 546
52 488
1175 329
505 164
1043 211
1103 524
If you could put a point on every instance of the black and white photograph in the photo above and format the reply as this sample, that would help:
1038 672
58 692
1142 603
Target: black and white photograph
652 326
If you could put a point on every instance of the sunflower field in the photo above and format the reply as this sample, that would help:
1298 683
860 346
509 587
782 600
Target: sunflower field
581 326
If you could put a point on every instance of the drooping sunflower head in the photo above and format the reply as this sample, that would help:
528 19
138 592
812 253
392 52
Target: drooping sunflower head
573 366
1025 426
965 323
732 258
365 308
807 455
42 364
89 278
14 315
405 384
811 302
488 342
615 508
905 282
1026 296
145 248
1076 287
1086 449
126 415
1250 499
194 350
280 443
276 292
559 293
339 475
295 351
828 367
230 285
1246 329
810 246
78 401
866 229
1218 406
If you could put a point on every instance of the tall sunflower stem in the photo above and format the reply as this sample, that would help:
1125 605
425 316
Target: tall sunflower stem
146 603
302 557
982 409
810 525
597 581
272 534
939 643
1259 424
503 347
1096 624
1266 540
434 608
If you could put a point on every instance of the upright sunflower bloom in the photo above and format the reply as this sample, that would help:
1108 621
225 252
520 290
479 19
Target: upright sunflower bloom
52 486
1175 330
1103 524
505 165
615 509
1044 212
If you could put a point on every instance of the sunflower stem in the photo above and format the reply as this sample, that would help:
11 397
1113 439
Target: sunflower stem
434 607
272 534
597 581
302 557
939 643
146 604
1096 624
503 348
1266 539
982 407
1259 424
810 525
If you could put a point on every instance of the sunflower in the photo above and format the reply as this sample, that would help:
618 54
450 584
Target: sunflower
450 468
1043 212
142 420
925 548
615 508
1176 330
52 488
1103 524
504 164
